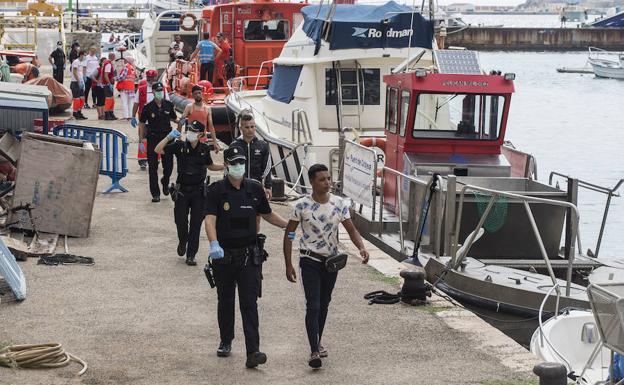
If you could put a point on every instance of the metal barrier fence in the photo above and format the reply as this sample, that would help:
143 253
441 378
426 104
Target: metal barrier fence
113 145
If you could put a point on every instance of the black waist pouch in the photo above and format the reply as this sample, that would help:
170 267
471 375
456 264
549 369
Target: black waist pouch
336 262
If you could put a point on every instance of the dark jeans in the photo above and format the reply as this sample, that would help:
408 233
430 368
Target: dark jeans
248 277
88 84
206 68
191 199
318 285
152 164
58 74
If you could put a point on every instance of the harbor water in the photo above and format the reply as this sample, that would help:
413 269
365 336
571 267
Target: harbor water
573 124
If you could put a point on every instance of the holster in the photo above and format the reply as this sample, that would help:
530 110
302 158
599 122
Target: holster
258 253
209 275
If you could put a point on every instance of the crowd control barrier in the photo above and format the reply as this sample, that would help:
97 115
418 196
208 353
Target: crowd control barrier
112 143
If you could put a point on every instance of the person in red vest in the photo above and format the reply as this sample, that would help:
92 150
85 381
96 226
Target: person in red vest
98 89
144 95
125 85
226 54
108 84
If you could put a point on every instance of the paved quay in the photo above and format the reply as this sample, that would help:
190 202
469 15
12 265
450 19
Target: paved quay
141 316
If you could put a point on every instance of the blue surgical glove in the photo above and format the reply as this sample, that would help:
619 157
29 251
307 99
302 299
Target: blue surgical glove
112 89
134 122
141 147
291 235
183 122
216 251
81 85
174 134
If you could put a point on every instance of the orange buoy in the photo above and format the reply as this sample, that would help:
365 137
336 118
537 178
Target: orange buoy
374 142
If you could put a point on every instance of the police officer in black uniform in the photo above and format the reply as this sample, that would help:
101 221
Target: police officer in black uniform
155 125
258 165
193 160
231 208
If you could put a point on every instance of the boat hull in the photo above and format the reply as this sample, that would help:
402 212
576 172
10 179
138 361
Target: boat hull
607 69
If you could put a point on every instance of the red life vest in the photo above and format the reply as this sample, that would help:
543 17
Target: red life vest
110 78
142 94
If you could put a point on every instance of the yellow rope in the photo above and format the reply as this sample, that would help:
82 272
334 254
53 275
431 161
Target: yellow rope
49 355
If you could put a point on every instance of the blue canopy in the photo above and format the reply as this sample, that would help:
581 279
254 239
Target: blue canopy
368 26
284 82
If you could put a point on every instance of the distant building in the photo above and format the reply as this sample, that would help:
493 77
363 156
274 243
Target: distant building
460 7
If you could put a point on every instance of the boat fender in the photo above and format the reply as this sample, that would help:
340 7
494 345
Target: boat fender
183 23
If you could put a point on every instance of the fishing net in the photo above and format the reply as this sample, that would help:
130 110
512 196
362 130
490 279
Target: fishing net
498 213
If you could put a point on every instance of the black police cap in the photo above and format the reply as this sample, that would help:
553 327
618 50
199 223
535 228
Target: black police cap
158 87
197 126
233 154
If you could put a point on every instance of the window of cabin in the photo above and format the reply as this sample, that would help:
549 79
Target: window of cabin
370 83
458 116
392 95
405 103
267 30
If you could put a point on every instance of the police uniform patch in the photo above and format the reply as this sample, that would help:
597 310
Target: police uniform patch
226 206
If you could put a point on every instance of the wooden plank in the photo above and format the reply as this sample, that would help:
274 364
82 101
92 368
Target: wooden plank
9 148
59 181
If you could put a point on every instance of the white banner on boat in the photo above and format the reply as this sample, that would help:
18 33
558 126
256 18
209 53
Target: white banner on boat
359 173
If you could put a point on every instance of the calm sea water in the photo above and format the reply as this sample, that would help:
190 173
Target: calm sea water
573 124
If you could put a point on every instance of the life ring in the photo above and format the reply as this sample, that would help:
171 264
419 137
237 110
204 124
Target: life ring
183 19
374 142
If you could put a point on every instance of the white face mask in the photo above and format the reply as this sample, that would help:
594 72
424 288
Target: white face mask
236 171
191 136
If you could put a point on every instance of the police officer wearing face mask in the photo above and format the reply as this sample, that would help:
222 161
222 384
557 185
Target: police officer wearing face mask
155 125
193 160
231 208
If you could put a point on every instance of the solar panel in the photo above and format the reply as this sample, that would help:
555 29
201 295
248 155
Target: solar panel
451 61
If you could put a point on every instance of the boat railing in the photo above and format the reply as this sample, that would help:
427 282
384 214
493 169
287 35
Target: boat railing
259 74
525 200
301 125
543 337
601 54
610 192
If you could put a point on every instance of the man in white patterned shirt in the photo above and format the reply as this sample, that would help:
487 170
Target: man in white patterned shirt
320 216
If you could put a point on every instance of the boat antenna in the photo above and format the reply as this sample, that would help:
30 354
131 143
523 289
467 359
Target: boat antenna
409 45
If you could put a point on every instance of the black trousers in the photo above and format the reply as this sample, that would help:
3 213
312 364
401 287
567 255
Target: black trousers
191 199
57 74
88 84
248 278
318 285
152 164
206 70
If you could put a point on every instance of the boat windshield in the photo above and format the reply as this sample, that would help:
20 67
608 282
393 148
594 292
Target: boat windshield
458 116
267 30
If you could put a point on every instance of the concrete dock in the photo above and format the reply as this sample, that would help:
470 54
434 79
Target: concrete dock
536 39
141 316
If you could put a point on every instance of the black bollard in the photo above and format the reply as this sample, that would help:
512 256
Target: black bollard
415 290
551 373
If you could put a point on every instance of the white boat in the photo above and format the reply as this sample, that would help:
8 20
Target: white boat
606 64
582 340
329 77
158 31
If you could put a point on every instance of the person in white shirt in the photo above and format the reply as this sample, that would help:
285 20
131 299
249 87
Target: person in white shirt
77 85
177 41
320 215
92 62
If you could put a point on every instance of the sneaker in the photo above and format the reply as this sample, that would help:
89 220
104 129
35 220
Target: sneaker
255 359
322 351
81 116
191 261
315 360
224 350
181 249
165 187
87 106
155 199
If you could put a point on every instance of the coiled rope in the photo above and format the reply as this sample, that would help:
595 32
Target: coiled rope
38 356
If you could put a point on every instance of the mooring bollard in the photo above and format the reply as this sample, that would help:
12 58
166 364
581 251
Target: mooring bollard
551 373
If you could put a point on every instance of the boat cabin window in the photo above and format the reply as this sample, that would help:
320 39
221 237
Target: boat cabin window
405 103
369 84
267 30
391 109
458 116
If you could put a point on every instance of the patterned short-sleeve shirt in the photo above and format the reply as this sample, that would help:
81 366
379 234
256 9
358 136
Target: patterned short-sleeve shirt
319 223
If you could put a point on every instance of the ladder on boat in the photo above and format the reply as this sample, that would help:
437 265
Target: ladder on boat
350 101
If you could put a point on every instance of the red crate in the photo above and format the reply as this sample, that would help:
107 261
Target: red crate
38 123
